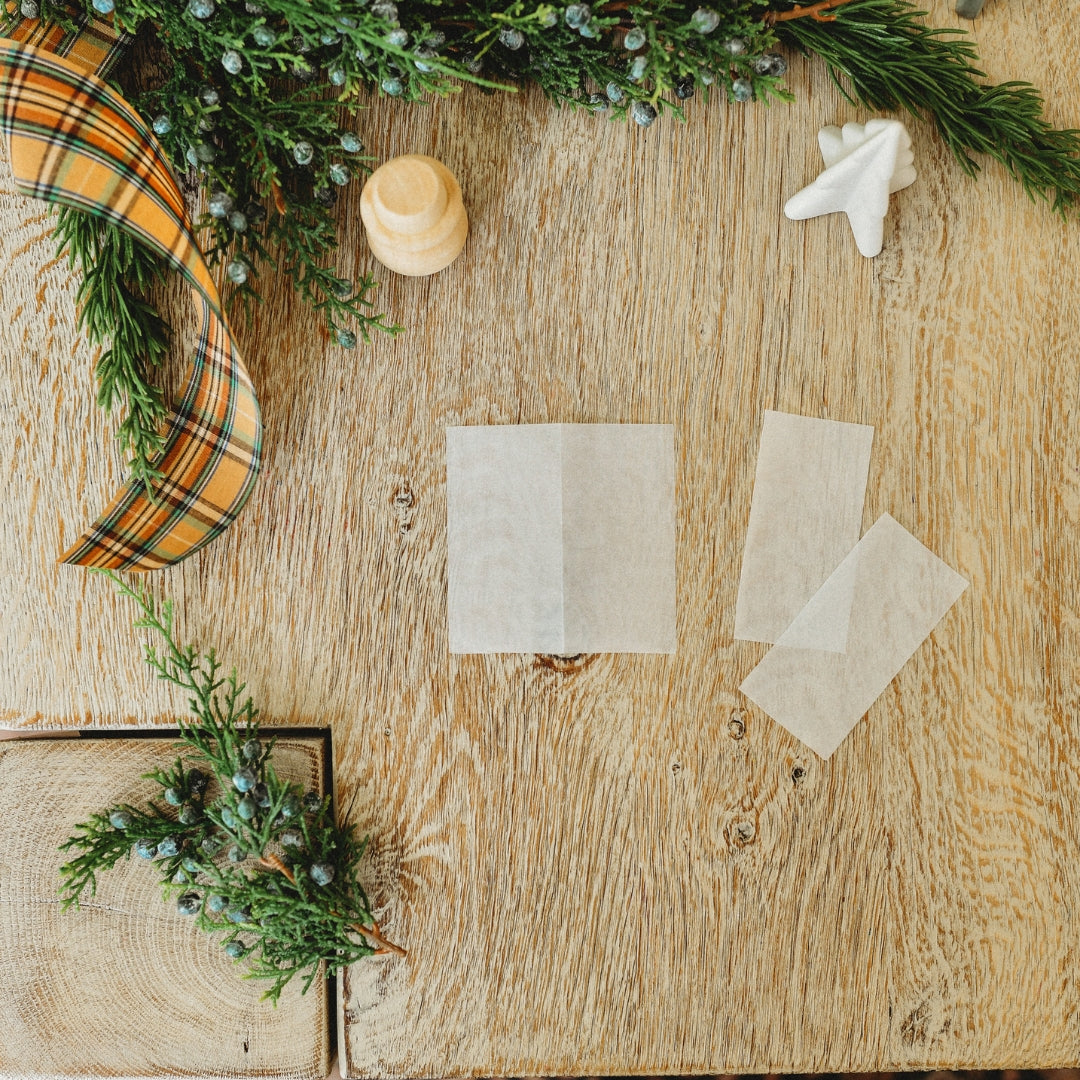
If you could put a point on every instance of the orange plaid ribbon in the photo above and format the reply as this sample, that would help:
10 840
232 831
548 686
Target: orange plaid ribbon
73 140
94 44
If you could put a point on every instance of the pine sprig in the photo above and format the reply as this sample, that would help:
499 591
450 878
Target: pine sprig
250 856
304 234
117 274
103 846
258 102
881 55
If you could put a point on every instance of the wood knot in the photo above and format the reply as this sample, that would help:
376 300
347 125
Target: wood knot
798 773
914 1028
565 665
736 725
403 501
926 1022
741 832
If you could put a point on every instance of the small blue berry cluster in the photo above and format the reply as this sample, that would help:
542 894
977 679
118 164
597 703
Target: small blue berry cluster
236 826
650 71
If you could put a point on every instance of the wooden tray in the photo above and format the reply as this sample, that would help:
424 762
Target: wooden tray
124 986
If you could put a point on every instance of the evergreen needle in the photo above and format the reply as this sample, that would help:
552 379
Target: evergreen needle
116 315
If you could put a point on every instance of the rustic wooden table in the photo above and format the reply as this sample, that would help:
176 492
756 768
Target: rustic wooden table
612 863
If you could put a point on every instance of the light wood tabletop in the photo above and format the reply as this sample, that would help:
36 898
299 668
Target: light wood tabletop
615 864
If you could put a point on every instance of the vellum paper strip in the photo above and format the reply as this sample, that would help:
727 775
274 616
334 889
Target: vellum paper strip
561 538
504 536
619 537
891 591
805 516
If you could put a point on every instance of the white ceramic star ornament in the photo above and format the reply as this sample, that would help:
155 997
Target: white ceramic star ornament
864 165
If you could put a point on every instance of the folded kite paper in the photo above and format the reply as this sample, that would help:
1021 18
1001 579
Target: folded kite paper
561 538
805 516
891 591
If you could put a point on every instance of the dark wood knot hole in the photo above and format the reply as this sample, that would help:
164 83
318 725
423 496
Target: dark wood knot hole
565 665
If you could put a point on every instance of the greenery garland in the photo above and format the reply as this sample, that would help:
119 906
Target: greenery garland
256 101
250 856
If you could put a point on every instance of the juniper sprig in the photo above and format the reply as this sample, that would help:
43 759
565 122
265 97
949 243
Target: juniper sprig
116 313
253 857
259 103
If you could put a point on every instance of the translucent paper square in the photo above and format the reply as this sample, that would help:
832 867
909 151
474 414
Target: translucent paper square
561 538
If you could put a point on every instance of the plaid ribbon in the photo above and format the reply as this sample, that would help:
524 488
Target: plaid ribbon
93 43
73 140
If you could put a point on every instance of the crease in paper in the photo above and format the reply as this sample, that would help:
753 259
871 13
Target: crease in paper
561 538
805 516
891 591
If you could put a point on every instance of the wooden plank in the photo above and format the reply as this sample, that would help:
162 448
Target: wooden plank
126 987
612 864
593 875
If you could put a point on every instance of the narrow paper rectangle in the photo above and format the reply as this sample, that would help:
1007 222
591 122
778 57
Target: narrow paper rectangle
561 538
893 591
805 516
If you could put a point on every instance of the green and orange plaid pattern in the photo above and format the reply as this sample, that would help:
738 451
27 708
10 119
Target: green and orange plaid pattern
93 43
73 140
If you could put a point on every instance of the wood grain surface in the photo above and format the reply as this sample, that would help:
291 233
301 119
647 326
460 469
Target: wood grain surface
124 986
610 863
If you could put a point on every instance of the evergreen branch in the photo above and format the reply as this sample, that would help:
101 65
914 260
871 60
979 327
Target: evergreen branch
810 11
251 856
306 236
257 102
892 60
117 273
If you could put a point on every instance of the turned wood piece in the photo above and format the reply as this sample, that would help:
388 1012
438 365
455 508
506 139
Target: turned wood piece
415 219
125 986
